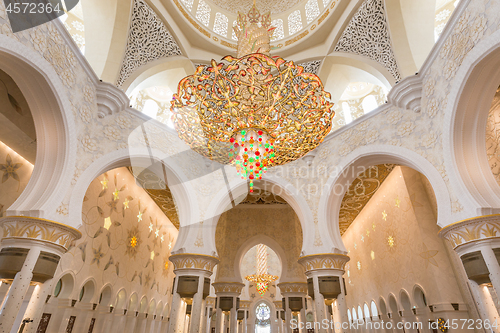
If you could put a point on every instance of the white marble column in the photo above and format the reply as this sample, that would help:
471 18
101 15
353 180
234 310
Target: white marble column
484 302
302 317
175 309
219 320
37 304
204 319
233 317
288 316
493 266
342 309
319 302
17 291
197 306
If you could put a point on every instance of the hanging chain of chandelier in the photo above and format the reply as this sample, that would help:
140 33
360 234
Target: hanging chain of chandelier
254 111
262 279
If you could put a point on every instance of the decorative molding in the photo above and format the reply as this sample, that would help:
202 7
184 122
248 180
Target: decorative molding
110 100
193 261
324 261
148 40
293 287
368 35
311 66
228 287
263 198
407 94
245 304
472 230
39 229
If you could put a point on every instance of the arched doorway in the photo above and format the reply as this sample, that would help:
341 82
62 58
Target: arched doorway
262 318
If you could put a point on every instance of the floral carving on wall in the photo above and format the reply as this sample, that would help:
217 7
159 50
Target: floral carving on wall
148 40
368 35
493 137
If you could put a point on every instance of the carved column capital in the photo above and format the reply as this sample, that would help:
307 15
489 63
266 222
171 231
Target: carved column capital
39 230
293 288
472 230
191 261
245 305
228 288
324 261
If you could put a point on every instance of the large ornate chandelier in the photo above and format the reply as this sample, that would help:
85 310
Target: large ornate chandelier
254 111
261 279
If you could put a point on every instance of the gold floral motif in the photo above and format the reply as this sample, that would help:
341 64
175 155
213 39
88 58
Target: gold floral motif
293 287
193 261
228 287
10 169
224 43
296 38
36 228
471 230
324 16
324 261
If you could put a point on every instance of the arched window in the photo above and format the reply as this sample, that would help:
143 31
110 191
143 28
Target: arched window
349 315
188 4
232 31
203 13
360 313
347 112
263 318
374 309
278 32
150 108
220 24
367 311
294 22
354 315
369 103
312 10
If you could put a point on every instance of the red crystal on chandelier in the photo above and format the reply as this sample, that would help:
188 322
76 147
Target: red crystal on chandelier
253 151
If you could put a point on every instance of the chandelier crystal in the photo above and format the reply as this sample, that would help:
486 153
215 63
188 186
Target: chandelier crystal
254 111
261 279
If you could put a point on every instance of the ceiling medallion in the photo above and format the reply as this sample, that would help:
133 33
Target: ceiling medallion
254 111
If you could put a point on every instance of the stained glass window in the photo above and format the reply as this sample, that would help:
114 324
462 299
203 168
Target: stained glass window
203 13
220 24
279 31
263 312
294 22
312 10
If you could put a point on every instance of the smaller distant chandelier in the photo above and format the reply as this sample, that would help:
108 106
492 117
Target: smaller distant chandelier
261 279
254 111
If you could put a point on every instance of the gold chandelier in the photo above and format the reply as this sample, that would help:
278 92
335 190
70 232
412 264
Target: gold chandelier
261 279
254 111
